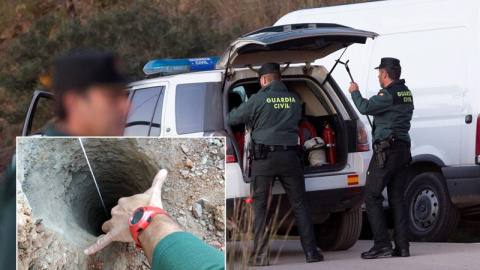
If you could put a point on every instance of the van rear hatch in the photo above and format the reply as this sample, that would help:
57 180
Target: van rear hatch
296 43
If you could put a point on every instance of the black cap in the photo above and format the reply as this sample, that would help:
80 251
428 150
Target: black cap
389 62
269 68
78 70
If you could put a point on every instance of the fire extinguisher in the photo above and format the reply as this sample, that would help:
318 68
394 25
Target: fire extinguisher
329 139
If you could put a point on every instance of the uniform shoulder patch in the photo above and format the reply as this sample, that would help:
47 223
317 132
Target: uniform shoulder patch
381 94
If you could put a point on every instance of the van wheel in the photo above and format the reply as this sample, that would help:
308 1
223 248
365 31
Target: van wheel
340 231
431 214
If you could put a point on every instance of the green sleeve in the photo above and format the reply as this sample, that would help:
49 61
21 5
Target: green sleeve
243 113
7 217
375 105
182 250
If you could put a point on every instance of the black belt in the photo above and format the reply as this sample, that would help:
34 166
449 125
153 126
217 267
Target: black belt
395 142
276 148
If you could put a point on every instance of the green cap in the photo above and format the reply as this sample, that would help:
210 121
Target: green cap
389 62
269 68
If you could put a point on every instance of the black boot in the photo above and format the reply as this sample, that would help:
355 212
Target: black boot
313 256
401 252
259 260
376 252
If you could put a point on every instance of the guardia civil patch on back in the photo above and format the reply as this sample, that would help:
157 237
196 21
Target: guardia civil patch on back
281 102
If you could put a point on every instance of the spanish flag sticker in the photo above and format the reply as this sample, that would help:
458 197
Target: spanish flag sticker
352 179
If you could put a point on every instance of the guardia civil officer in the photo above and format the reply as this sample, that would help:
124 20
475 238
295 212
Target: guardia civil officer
275 114
392 110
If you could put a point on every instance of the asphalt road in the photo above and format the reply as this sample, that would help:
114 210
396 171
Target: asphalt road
424 256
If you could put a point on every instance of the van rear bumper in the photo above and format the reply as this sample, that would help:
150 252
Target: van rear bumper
463 184
321 203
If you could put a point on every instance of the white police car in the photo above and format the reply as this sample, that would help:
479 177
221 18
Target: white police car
191 97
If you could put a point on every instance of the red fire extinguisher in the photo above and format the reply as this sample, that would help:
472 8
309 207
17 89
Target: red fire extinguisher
329 139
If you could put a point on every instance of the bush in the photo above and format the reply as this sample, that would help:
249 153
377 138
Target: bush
137 34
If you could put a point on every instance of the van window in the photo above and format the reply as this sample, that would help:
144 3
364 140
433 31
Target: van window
145 114
198 107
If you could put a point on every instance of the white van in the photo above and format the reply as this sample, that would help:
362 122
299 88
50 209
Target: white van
437 42
196 104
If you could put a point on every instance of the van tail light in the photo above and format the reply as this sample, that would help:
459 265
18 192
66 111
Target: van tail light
362 138
230 152
477 142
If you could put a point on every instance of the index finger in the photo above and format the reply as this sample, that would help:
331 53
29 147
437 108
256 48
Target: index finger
156 190
101 243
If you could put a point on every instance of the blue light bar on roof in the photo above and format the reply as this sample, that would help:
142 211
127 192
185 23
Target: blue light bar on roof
172 66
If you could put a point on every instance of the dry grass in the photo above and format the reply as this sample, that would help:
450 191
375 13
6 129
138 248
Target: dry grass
240 227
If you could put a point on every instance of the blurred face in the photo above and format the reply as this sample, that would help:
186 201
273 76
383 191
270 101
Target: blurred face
100 111
382 78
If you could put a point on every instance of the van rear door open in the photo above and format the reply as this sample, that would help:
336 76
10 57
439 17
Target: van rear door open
296 43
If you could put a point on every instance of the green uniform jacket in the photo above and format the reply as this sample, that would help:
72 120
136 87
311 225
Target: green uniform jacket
392 110
275 113
8 223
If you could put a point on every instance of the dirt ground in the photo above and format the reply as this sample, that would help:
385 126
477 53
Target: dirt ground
59 212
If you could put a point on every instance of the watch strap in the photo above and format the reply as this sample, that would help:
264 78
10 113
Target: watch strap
148 213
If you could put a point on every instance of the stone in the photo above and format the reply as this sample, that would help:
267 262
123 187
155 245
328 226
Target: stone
185 174
189 163
184 148
197 210
217 142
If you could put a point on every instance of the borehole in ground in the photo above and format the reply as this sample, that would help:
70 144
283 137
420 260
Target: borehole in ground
69 200
113 182
120 177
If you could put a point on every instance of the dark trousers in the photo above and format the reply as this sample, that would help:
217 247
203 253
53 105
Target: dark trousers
286 166
393 176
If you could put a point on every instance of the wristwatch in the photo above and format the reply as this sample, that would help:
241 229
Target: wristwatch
140 219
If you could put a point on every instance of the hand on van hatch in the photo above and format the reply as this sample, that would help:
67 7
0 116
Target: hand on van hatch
353 87
117 228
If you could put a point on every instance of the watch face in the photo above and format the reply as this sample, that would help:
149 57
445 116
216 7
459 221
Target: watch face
136 216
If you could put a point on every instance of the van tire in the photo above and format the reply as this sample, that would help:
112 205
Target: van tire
341 230
431 215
